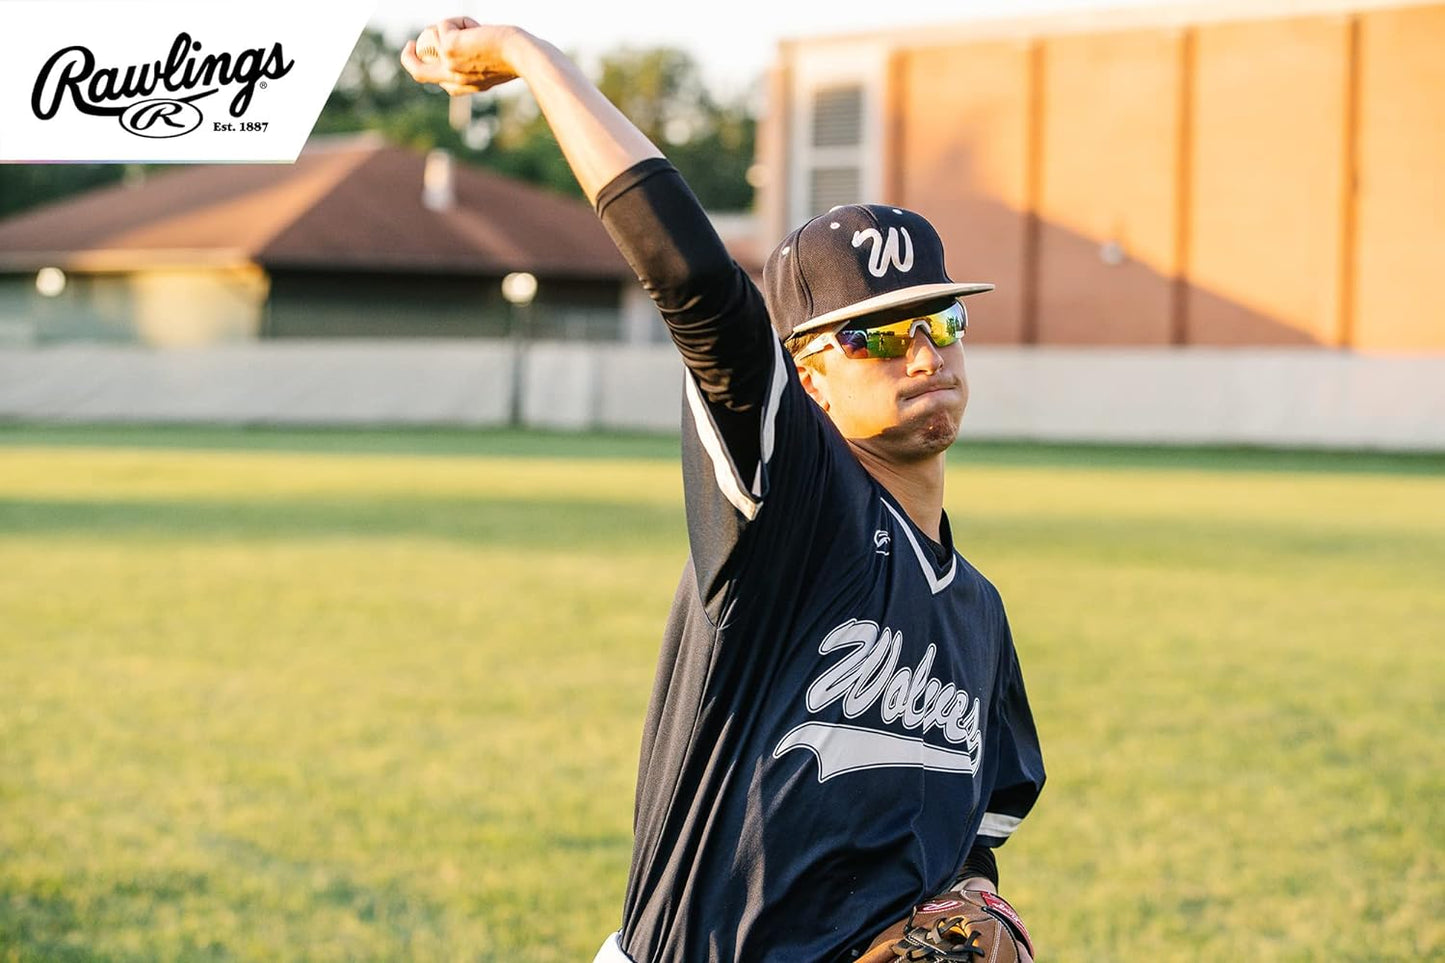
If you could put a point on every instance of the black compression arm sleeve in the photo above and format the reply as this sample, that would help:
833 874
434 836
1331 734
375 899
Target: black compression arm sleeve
711 307
980 862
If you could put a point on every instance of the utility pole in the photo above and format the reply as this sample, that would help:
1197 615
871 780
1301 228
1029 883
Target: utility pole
519 288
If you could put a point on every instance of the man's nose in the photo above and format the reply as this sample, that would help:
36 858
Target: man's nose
923 356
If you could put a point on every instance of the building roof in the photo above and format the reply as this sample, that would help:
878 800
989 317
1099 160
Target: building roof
346 204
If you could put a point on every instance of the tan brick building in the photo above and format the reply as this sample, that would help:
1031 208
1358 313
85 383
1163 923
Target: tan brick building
1222 175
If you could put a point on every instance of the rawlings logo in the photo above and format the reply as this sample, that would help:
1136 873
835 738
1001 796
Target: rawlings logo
940 905
128 92
885 253
1000 906
161 118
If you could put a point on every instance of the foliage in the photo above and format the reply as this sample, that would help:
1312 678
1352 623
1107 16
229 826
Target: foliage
271 695
374 93
712 143
660 89
23 186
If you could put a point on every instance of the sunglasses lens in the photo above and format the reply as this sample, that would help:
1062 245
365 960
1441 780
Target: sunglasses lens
854 344
947 326
887 343
942 335
892 340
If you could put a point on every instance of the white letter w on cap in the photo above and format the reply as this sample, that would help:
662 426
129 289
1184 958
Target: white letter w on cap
884 254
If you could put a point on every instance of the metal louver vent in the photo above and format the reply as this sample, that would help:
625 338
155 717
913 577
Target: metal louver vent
838 117
830 186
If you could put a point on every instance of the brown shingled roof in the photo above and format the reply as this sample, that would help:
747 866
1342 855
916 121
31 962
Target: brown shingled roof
349 205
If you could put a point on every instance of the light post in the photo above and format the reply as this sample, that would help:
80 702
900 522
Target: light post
519 288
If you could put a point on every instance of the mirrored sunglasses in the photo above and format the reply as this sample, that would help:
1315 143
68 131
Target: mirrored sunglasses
892 340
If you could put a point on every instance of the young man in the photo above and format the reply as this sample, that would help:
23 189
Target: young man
838 728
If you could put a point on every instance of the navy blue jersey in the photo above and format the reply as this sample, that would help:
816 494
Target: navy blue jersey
838 714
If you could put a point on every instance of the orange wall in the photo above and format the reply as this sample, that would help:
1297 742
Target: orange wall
962 159
1400 215
1266 224
772 158
1109 172
1216 156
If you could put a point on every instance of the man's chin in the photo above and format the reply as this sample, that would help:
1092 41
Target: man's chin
937 438
922 438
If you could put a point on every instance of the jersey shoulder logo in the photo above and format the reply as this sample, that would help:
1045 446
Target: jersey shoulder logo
881 542
885 254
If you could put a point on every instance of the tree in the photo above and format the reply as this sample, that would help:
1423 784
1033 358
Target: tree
712 144
23 186
716 160
374 93
660 89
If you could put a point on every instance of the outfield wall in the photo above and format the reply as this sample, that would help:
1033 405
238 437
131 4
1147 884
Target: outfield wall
1301 397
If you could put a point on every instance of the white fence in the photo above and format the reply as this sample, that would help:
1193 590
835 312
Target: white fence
1276 397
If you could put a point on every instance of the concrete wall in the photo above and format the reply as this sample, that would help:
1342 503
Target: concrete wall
281 383
1304 397
1275 396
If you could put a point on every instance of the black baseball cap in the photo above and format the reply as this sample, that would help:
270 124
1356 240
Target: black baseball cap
855 260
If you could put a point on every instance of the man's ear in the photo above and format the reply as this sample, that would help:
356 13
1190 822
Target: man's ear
815 383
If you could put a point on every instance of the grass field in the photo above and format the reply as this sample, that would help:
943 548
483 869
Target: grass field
284 695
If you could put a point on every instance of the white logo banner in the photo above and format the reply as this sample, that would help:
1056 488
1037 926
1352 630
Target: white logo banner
162 81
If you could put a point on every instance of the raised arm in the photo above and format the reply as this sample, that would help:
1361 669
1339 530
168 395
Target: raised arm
598 141
712 309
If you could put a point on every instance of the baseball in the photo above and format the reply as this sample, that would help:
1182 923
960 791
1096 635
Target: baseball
428 47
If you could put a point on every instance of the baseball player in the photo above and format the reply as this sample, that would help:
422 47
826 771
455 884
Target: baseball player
838 736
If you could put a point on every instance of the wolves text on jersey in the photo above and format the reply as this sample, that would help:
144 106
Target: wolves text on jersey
869 677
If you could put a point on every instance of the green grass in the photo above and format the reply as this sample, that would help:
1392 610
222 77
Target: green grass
377 695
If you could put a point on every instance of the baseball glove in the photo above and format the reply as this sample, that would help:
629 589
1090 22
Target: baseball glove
970 925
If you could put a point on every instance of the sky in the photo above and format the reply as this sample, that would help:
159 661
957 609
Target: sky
733 40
